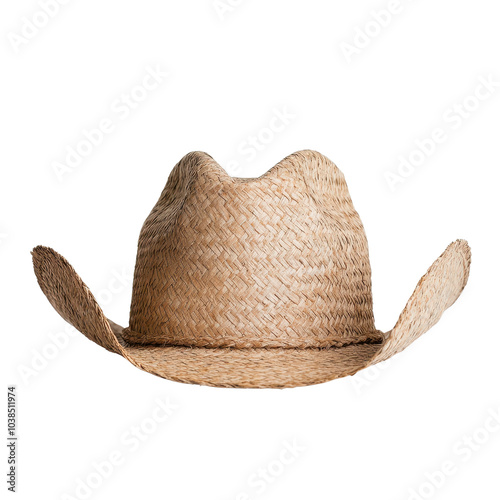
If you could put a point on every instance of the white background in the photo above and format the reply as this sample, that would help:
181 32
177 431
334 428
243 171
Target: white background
378 435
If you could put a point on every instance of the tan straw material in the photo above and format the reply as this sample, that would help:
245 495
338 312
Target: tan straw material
253 282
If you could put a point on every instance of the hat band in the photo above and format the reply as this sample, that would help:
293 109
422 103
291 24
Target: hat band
133 338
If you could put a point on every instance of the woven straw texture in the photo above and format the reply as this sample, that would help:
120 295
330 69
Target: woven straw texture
279 261
253 282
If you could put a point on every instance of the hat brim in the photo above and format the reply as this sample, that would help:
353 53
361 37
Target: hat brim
437 290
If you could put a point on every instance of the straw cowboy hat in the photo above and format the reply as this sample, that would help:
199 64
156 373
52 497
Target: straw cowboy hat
260 282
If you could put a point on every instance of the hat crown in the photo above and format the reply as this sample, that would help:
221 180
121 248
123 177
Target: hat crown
276 261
